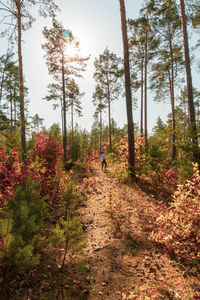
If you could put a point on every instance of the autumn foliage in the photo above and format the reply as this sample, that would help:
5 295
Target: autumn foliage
163 184
122 150
12 173
121 157
27 194
179 225
44 168
48 149
47 168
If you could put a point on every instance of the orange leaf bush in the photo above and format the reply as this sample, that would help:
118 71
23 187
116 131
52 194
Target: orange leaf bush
179 225
163 184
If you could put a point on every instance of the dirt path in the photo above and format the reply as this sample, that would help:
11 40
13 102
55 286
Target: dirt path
120 255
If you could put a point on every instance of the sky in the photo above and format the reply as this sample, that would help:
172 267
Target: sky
96 24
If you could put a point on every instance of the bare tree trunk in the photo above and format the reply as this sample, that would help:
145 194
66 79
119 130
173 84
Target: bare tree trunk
15 113
72 120
100 124
189 84
2 77
185 119
172 103
62 117
21 81
131 150
2 81
109 121
145 94
11 111
64 114
142 96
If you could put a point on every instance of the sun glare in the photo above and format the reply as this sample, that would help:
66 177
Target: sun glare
85 42
85 46
70 50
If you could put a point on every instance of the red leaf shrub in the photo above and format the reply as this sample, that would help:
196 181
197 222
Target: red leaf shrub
45 169
164 183
12 172
49 172
88 157
48 149
122 151
179 225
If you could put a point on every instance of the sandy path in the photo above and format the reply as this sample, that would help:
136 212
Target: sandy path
117 262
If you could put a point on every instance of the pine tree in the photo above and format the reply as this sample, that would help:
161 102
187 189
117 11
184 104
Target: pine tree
191 107
73 95
99 102
36 123
131 148
10 104
194 12
20 228
21 19
61 64
169 63
94 134
141 40
108 76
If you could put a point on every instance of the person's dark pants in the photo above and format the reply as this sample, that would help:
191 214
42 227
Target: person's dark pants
104 163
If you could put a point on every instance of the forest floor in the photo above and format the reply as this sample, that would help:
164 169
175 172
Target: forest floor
121 258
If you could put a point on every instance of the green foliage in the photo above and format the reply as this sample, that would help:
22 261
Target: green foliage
194 12
120 171
68 231
141 35
7 237
160 144
108 76
108 73
36 123
74 105
21 228
9 102
184 166
158 150
74 139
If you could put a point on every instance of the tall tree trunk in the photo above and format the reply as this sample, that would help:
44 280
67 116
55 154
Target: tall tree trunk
72 120
15 113
11 112
2 77
189 84
2 81
142 97
145 93
64 113
172 103
62 117
198 110
21 81
109 121
100 125
185 119
131 150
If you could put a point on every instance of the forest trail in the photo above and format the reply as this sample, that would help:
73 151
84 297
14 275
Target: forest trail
117 221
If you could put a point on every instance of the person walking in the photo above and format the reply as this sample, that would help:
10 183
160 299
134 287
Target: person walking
103 160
